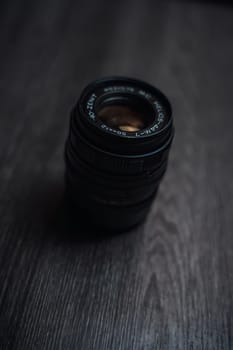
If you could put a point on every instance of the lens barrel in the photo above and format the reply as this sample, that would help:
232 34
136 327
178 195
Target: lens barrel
116 152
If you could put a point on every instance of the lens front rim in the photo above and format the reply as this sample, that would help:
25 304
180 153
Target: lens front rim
88 103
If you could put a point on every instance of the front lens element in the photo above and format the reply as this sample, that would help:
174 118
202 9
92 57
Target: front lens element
125 112
122 118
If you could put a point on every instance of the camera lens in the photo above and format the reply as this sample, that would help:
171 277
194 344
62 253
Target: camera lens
116 154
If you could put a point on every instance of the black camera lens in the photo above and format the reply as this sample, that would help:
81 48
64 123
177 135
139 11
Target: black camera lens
116 153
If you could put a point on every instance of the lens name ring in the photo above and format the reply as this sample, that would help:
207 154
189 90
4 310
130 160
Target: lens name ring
143 94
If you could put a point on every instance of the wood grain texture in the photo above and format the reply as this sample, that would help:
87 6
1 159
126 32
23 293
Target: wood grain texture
169 284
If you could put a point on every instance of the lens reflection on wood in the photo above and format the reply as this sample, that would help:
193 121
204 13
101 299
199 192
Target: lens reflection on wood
122 117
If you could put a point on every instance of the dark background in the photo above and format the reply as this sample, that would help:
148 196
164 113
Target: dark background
168 284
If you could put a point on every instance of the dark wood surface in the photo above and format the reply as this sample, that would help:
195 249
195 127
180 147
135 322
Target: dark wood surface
168 284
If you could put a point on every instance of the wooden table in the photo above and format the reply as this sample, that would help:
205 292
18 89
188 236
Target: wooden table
168 284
